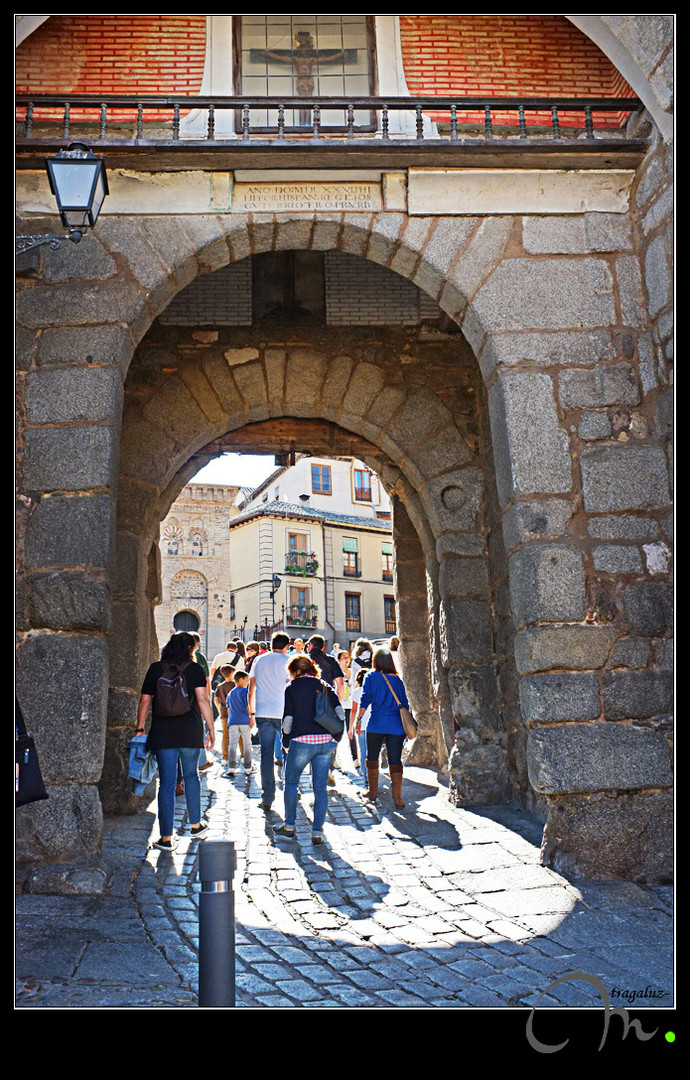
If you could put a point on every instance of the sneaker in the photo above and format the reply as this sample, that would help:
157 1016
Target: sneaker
208 765
282 830
265 806
331 780
317 839
164 845
199 830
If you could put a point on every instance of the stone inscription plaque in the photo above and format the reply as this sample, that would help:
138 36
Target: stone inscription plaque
295 196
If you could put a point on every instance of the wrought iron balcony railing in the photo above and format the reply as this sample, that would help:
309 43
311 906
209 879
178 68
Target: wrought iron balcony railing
241 125
302 615
302 563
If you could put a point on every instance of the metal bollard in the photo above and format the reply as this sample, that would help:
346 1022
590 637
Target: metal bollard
216 924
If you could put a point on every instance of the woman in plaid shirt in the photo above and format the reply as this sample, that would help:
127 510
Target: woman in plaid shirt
306 742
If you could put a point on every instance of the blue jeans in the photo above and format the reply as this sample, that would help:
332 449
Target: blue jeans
300 755
167 780
280 753
267 727
362 740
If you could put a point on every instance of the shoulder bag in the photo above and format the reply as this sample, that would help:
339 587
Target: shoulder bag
325 715
406 718
29 786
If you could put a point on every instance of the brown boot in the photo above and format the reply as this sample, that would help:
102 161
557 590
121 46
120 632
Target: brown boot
373 778
396 773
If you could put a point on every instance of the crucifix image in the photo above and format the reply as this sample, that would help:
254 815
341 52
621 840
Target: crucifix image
303 59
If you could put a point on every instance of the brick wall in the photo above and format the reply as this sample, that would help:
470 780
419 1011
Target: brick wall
362 293
532 55
116 54
357 293
506 55
223 298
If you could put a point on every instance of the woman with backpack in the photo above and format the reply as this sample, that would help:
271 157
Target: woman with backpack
307 742
175 689
384 693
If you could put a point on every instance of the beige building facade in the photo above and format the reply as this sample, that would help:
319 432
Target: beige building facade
311 552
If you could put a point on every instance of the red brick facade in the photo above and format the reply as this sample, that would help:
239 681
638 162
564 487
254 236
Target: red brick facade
445 55
113 54
505 55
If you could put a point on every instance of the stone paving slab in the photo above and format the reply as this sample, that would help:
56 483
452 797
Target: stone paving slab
428 907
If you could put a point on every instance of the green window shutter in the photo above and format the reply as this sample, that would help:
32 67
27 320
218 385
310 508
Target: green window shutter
387 549
350 544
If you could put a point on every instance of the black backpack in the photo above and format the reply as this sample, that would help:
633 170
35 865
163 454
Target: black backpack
172 698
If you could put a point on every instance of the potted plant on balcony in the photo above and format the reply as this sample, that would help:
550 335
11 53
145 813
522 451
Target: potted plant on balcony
301 564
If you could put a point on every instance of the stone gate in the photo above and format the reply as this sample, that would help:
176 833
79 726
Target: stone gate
525 448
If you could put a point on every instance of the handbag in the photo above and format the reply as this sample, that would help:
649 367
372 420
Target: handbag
407 719
326 716
29 786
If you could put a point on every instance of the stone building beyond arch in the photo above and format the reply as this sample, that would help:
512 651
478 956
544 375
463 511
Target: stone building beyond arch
524 439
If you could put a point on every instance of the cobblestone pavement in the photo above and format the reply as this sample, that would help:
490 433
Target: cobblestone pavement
430 906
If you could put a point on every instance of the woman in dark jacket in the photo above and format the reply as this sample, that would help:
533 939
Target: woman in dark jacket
180 736
306 743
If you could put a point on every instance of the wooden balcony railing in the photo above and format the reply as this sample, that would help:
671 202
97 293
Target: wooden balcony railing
418 126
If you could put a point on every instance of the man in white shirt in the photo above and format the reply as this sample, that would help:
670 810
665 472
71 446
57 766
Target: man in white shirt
222 658
267 683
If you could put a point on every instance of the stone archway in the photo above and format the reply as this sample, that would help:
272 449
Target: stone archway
494 277
187 390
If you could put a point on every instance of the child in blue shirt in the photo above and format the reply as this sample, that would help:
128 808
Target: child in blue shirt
239 722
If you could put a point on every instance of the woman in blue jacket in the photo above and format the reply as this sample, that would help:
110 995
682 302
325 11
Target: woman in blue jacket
385 725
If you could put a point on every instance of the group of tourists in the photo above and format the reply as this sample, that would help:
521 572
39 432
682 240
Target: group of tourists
293 699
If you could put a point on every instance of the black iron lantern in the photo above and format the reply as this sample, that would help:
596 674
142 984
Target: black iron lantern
79 183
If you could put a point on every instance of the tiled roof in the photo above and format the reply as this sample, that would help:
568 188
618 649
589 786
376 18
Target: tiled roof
276 508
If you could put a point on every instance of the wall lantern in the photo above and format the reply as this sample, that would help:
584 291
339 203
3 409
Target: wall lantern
79 183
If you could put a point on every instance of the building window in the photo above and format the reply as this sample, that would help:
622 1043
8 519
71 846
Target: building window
353 619
362 485
198 539
186 620
172 535
351 557
305 56
232 606
387 562
298 559
321 479
300 610
389 614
